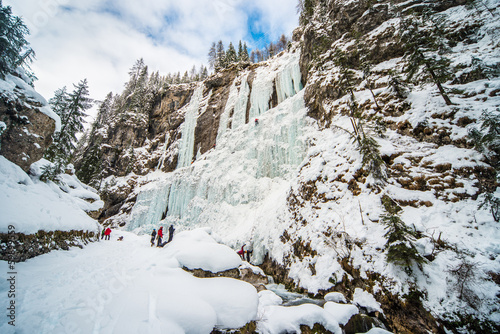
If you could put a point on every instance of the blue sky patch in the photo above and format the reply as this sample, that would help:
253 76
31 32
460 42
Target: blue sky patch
256 30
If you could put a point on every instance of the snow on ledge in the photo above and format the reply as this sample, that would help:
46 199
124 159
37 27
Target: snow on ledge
31 205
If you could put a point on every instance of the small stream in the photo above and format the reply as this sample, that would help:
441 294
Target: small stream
292 298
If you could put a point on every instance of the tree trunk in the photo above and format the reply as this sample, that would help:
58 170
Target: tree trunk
438 84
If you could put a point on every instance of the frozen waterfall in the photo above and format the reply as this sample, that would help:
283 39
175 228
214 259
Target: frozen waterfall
227 186
195 107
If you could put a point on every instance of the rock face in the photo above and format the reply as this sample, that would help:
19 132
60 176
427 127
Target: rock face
208 122
28 130
20 247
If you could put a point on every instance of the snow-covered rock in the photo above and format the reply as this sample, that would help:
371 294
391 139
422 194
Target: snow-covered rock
31 205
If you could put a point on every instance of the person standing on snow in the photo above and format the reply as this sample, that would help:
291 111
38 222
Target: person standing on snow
241 252
153 237
171 230
107 234
102 233
249 251
160 236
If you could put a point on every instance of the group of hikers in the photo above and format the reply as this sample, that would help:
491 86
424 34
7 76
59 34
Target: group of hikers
106 233
159 236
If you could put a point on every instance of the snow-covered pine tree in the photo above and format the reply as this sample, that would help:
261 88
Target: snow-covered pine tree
483 70
397 85
423 48
221 57
134 96
71 108
212 56
193 75
372 160
14 48
185 77
104 113
239 57
306 10
88 154
136 74
203 72
231 56
59 104
400 245
245 52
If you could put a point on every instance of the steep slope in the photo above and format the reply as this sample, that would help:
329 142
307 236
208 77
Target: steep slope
361 180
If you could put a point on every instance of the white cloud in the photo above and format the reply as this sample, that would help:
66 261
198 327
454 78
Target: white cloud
101 39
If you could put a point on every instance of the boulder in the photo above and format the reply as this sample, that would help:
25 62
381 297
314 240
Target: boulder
28 131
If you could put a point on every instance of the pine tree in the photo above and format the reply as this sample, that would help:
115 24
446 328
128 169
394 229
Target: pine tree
239 57
397 85
203 72
136 75
306 10
104 112
193 75
91 168
231 56
71 109
372 160
14 48
423 48
245 56
221 57
400 243
59 104
252 57
212 56
185 77
482 69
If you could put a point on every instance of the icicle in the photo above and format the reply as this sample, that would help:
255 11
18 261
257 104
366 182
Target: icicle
150 205
288 81
186 147
262 90
234 114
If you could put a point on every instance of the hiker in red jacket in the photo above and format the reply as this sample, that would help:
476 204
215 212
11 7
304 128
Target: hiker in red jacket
241 252
160 236
107 234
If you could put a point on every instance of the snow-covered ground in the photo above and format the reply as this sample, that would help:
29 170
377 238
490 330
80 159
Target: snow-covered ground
130 287
30 205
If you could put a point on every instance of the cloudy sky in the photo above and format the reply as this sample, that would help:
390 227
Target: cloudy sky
101 39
